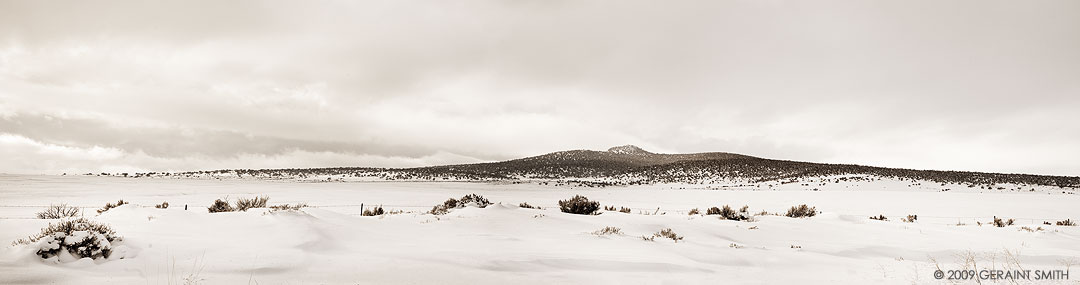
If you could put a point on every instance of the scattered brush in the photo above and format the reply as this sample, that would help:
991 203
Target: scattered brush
879 218
801 211
243 204
610 208
527 206
910 219
111 205
694 211
163 205
579 205
79 237
1066 222
608 231
667 233
998 222
58 212
1030 230
377 211
624 210
287 207
467 200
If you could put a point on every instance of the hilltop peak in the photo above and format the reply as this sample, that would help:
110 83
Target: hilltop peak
628 149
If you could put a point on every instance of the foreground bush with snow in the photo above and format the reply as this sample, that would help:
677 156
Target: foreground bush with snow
81 238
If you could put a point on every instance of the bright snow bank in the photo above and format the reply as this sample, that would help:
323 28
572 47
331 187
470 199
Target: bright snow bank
505 244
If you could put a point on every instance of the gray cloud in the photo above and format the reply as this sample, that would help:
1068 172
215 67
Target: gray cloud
925 84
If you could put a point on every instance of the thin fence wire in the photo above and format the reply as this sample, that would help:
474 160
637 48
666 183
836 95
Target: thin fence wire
634 210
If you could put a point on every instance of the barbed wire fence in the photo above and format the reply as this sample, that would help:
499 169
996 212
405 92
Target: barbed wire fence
421 209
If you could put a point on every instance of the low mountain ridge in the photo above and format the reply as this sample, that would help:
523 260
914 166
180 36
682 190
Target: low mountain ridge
624 165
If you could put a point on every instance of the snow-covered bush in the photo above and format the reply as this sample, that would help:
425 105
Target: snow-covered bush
879 218
801 211
220 206
163 205
579 205
243 204
694 211
526 205
79 237
1066 222
474 200
910 218
467 200
58 212
111 205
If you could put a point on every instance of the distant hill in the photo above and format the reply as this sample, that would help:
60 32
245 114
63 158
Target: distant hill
623 165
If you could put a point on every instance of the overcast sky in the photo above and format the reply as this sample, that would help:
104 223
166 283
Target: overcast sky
188 85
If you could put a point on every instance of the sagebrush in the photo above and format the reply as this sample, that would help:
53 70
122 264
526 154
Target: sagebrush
243 204
111 205
801 211
58 212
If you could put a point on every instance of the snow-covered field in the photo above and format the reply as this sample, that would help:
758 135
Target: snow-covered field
330 243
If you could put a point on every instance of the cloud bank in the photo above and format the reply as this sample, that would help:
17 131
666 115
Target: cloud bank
158 86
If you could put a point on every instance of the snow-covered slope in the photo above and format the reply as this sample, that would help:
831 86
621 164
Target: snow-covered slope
630 165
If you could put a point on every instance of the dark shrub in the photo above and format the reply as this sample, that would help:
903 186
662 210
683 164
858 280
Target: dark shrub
220 206
624 210
1066 222
730 214
373 212
998 222
694 211
80 237
910 219
579 205
58 212
111 205
526 205
163 205
879 218
801 211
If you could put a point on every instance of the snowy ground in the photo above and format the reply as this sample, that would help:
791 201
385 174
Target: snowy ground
331 244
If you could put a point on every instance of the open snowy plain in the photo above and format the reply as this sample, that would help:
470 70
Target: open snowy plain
330 243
